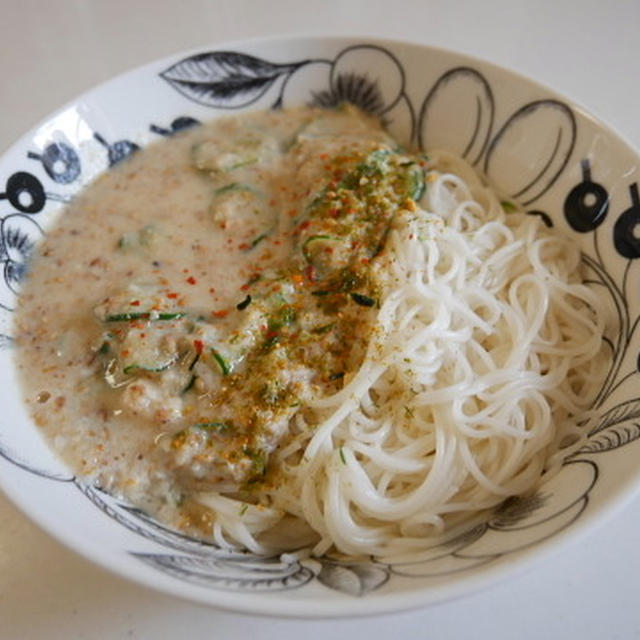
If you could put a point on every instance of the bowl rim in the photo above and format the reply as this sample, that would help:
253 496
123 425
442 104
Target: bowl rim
375 604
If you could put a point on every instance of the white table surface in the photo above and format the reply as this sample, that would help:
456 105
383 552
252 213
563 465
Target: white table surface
52 50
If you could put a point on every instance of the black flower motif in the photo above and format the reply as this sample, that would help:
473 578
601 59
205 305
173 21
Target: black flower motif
117 151
626 231
24 192
60 161
19 234
373 78
355 89
177 124
587 204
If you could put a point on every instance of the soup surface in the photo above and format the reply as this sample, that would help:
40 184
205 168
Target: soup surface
283 318
175 319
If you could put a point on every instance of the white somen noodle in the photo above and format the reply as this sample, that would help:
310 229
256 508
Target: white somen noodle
484 360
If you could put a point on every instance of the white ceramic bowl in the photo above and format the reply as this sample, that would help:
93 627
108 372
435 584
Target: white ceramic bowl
537 146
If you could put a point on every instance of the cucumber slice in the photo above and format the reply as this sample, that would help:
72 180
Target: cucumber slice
127 316
147 350
216 156
415 182
237 186
224 365
139 240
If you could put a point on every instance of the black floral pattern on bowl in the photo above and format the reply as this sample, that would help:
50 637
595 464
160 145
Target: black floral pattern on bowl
373 78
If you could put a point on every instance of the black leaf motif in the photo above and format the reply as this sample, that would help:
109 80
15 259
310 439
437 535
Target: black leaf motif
225 79
354 579
14 457
516 508
629 410
137 522
231 576
612 438
149 528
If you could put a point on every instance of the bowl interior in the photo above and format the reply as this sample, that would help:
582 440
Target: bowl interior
534 145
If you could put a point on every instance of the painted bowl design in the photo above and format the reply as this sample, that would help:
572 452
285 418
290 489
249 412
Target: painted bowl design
536 146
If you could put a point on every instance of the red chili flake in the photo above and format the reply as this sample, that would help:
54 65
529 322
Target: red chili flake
309 272
334 213
94 262
172 295
125 352
303 225
185 271
135 303
212 290
198 346
220 314
364 260
244 246
191 280
245 287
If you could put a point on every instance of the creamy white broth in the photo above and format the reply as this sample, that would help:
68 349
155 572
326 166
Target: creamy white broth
182 226
283 318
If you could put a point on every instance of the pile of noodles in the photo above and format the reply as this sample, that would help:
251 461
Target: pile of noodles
485 358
